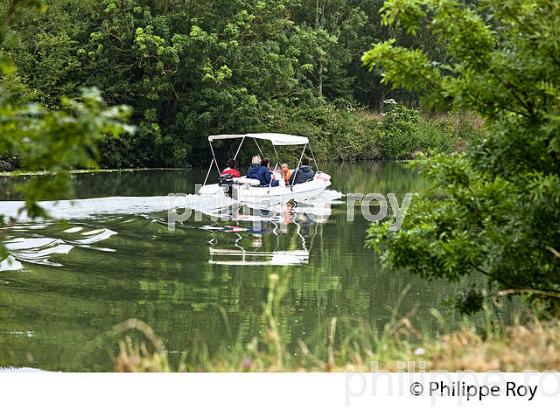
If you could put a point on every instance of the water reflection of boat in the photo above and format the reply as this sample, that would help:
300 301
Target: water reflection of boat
258 253
247 258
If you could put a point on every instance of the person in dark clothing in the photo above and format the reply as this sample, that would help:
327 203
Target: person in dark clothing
268 177
303 174
254 170
259 170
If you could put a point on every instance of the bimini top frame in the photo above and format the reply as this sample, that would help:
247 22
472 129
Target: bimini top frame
275 138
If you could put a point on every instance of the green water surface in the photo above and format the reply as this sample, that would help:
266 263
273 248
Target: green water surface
57 312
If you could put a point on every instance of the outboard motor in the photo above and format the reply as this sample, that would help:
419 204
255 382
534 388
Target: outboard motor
226 182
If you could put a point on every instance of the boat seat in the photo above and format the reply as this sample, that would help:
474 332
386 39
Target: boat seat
246 181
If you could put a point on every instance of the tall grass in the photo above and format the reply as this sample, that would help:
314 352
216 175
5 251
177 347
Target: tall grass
526 344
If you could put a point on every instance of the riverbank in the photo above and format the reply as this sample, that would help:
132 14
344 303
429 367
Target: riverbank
476 344
337 134
398 133
84 171
534 345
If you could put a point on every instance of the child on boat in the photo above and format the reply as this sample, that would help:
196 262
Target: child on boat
286 173
231 169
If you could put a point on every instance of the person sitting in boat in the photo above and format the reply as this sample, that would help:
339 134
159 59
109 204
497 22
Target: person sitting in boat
254 169
231 169
286 173
303 174
259 170
268 175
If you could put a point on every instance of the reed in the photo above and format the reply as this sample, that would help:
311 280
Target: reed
527 344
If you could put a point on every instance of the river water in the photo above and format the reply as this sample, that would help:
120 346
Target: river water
68 283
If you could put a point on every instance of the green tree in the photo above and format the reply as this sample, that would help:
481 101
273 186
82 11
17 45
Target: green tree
49 140
495 210
191 68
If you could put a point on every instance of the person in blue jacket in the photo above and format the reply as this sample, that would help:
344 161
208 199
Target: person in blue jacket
254 170
259 170
303 174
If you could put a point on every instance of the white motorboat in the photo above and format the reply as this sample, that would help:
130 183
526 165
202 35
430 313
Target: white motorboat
249 191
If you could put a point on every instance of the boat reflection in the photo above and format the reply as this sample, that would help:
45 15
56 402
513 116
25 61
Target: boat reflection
280 237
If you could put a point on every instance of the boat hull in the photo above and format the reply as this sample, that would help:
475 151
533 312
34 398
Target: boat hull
269 195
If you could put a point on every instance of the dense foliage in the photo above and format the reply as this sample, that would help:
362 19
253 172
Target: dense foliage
495 210
55 140
191 68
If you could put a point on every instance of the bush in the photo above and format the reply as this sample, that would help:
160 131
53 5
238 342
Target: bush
398 131
337 134
432 137
405 132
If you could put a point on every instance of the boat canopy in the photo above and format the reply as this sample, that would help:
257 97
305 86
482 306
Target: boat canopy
276 139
